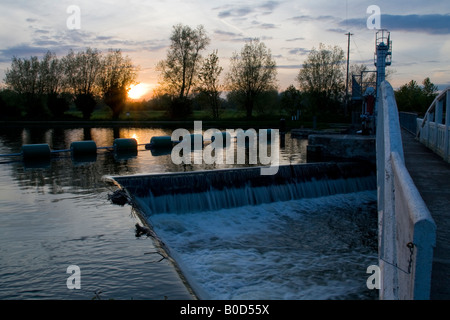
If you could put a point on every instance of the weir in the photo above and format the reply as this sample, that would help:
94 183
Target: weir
217 249
228 188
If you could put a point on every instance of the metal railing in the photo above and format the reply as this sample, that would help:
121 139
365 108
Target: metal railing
407 232
434 129
408 121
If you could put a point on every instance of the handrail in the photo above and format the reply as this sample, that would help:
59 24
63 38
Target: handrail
407 231
433 106
434 130
408 198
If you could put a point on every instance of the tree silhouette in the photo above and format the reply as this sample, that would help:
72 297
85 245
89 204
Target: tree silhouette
252 72
179 70
291 100
117 74
82 72
322 77
412 97
38 82
209 82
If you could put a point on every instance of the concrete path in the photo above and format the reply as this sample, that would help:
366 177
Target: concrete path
431 175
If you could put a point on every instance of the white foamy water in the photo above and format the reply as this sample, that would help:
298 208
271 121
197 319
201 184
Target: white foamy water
315 248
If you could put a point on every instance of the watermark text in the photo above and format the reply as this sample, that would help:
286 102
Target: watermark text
374 20
74 280
73 22
248 142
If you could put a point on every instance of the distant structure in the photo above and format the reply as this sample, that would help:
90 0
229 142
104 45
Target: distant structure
383 54
365 86
382 59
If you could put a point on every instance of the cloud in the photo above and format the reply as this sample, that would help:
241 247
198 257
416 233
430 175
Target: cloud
240 11
269 5
46 43
434 24
103 38
305 18
61 41
226 33
237 37
299 51
295 39
286 66
21 50
264 25
235 12
337 30
231 36
42 31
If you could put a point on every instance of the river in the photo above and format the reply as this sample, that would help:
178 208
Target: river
58 215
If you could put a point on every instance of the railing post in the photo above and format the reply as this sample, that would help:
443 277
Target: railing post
428 131
439 111
437 121
447 128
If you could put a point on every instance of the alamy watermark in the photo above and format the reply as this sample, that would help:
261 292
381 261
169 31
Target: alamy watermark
374 20
74 280
73 22
257 144
374 280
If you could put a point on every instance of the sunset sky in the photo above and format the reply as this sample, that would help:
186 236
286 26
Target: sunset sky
420 31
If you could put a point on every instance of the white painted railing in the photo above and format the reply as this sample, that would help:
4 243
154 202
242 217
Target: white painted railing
434 129
407 232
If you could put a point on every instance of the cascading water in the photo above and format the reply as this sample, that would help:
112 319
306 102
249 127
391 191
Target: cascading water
308 232
221 189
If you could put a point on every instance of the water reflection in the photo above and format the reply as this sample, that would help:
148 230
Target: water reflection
82 174
56 214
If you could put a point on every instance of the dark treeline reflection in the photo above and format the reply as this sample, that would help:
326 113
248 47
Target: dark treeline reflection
82 175
64 173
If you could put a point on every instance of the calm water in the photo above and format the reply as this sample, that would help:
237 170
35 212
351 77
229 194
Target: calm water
56 216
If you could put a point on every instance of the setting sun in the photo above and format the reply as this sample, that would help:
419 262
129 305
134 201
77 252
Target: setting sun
137 91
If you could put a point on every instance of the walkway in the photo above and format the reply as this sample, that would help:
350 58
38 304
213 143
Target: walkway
431 175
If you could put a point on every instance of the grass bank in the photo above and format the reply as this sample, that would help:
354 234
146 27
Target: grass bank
158 118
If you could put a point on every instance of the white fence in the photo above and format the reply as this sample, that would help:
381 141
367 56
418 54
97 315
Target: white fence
407 232
434 129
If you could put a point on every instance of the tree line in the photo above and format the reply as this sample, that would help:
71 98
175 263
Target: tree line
188 79
412 97
251 81
36 87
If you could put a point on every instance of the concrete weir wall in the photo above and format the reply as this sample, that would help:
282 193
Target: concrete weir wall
406 230
342 146
226 188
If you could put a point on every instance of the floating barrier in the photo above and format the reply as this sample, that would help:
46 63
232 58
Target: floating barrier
86 151
36 152
161 142
83 148
83 152
125 145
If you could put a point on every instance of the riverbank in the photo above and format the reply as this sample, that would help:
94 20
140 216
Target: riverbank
220 124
